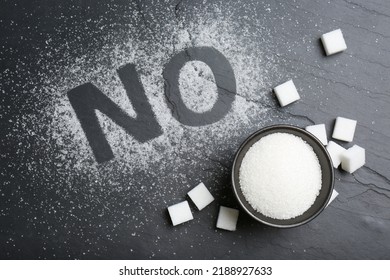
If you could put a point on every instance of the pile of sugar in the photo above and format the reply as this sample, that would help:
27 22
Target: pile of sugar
280 176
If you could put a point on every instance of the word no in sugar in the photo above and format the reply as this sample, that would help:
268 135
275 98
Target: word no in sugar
87 98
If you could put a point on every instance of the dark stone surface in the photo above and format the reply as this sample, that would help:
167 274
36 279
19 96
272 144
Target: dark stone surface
42 217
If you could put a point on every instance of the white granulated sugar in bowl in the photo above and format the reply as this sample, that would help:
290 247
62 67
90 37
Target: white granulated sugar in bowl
280 176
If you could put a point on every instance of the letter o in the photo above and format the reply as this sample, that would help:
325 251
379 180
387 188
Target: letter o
224 78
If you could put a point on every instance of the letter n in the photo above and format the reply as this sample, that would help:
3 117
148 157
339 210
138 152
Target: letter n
87 98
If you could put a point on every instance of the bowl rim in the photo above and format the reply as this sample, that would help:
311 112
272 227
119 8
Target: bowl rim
287 127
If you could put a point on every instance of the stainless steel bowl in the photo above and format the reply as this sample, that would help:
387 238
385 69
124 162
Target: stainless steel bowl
327 176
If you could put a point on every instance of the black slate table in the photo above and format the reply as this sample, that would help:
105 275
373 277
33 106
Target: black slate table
58 203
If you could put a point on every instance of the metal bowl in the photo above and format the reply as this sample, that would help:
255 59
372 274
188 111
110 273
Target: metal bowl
327 176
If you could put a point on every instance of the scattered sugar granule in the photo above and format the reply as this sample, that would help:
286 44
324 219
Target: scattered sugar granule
344 129
200 196
280 176
318 131
335 151
353 158
180 213
227 218
333 42
286 93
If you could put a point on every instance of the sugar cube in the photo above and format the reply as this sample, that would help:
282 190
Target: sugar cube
180 213
332 197
201 196
227 218
335 151
286 93
344 129
318 131
353 158
333 42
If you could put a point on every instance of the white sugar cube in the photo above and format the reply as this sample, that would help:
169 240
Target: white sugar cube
227 218
335 151
318 131
344 129
180 213
286 93
333 42
353 158
201 196
332 197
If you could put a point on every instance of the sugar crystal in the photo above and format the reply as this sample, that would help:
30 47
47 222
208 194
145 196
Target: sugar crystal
180 213
201 196
227 218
